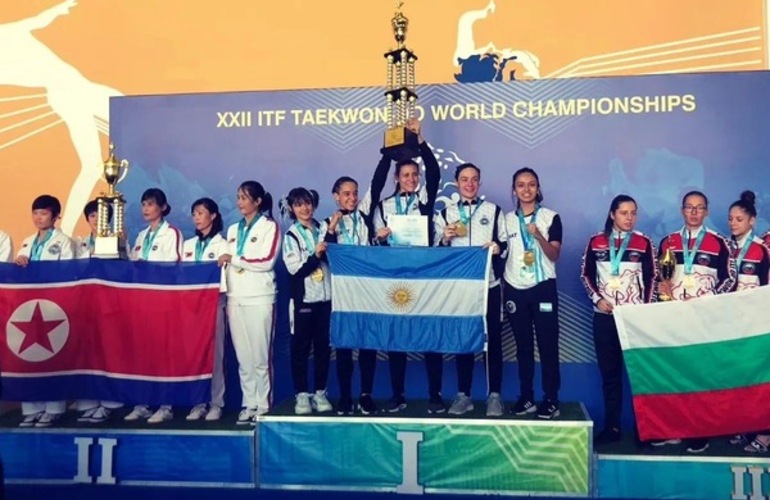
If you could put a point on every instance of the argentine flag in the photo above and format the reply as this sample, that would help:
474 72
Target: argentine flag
418 299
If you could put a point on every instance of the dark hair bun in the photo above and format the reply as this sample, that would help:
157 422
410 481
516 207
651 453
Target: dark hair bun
748 197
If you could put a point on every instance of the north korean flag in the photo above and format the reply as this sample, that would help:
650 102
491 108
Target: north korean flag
135 332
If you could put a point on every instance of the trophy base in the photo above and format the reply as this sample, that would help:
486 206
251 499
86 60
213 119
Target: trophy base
401 144
110 247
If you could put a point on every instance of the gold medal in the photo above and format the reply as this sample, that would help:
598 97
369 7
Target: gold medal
461 229
689 280
529 257
317 275
614 283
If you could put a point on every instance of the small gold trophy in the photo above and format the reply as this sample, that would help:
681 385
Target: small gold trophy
667 263
110 242
400 142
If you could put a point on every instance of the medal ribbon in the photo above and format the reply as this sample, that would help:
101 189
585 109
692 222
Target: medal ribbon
527 240
744 249
149 238
688 255
404 210
309 235
200 247
352 237
616 255
466 219
38 245
243 233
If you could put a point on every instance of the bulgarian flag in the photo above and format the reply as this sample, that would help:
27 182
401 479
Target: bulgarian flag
701 367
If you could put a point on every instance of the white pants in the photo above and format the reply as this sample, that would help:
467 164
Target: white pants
55 407
90 404
251 328
218 375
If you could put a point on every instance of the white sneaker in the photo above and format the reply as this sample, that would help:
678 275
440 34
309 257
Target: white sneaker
302 404
214 413
260 411
86 416
30 420
246 415
320 402
101 414
461 404
139 412
164 413
48 419
197 413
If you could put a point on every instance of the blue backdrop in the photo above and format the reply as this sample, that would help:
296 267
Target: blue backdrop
651 137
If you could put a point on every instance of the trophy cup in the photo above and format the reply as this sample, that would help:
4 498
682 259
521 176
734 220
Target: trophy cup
400 142
667 263
110 241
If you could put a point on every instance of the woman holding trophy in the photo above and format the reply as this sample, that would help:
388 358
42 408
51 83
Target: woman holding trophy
158 242
618 268
406 218
703 265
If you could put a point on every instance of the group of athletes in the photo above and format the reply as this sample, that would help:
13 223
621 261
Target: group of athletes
620 266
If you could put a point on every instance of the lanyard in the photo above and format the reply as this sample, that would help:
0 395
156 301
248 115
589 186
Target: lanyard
527 240
38 245
243 233
149 238
200 247
309 235
688 256
744 249
350 238
616 255
401 210
467 218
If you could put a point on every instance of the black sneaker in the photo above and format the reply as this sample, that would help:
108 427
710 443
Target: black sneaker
345 405
396 404
697 445
366 405
608 435
524 406
436 405
548 409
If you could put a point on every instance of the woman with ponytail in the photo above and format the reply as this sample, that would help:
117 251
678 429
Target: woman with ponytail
249 261
618 269
304 253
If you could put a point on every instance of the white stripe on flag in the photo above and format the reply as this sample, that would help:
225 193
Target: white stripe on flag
707 319
409 297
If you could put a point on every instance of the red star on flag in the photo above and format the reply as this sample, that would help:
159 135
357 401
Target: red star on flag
37 330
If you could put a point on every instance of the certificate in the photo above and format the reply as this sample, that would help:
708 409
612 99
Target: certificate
408 230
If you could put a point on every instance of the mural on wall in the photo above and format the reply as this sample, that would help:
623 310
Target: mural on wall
62 61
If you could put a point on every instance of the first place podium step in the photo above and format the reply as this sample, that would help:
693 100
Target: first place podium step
417 453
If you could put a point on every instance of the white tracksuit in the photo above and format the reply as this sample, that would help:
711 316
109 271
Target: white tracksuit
251 291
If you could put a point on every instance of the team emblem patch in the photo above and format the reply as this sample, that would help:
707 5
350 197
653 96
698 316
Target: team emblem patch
510 306
484 221
601 254
55 249
254 239
704 259
211 255
154 247
634 256
748 268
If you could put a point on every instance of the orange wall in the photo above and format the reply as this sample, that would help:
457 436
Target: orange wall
175 46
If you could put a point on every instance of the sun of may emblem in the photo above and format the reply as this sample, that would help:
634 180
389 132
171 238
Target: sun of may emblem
401 296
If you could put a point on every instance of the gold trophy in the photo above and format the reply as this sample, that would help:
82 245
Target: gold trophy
667 263
400 142
110 241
